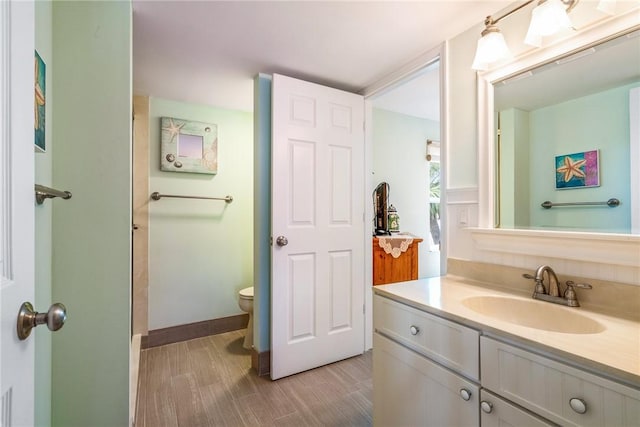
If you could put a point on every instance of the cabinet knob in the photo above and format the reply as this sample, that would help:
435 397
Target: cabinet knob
486 407
465 394
414 330
578 405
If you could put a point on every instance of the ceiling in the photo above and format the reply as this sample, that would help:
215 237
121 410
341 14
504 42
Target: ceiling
208 52
605 66
418 95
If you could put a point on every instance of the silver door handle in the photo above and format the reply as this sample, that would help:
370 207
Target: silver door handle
282 241
29 319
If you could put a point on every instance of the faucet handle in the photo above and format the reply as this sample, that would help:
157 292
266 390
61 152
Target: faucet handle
579 285
570 293
540 289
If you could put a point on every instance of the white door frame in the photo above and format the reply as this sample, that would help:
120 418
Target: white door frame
370 92
17 228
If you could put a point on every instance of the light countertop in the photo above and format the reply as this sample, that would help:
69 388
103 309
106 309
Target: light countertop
613 352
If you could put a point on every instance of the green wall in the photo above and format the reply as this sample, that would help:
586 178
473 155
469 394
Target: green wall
399 158
599 121
200 251
92 231
514 178
43 218
262 212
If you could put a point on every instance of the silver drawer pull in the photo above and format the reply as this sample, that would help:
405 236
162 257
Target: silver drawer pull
486 407
414 330
465 394
578 405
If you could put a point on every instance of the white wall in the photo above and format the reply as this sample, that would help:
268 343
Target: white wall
200 251
399 158
462 158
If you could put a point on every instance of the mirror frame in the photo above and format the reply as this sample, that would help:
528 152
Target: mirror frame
615 249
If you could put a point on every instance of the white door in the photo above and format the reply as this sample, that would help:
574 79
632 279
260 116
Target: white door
16 208
317 284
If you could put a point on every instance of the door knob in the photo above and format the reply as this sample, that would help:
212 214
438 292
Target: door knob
29 319
282 241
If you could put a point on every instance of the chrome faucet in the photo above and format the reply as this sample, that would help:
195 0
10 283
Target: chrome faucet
553 290
552 293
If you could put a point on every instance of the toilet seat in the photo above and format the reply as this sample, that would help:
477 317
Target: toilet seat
246 293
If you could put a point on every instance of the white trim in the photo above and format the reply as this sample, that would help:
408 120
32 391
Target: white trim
5 139
405 72
368 224
576 246
462 196
634 151
443 51
608 249
134 374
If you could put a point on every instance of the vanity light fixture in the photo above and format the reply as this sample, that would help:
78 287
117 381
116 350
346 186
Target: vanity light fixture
547 18
491 46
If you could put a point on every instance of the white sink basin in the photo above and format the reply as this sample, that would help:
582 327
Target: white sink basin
534 314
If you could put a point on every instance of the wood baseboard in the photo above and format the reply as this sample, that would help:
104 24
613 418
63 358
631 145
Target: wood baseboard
261 362
179 333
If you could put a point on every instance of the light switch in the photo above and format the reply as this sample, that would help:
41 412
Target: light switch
463 217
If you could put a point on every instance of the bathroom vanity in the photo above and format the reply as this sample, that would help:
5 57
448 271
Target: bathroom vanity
449 351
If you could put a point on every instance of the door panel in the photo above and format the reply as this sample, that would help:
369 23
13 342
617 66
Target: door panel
16 208
318 205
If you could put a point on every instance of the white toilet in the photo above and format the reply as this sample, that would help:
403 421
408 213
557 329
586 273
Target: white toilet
245 301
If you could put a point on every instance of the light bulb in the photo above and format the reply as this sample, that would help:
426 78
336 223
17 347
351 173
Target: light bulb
546 19
491 48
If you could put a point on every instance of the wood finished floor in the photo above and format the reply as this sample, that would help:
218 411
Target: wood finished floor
209 382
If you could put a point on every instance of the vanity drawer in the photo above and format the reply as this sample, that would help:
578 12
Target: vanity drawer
411 390
550 388
448 343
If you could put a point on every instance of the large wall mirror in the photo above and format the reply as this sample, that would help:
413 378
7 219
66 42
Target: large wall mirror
516 222
562 142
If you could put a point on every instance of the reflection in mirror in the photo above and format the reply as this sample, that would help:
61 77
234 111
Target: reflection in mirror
190 146
564 135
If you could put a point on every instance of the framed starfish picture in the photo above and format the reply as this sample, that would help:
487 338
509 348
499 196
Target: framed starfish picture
578 170
40 103
189 146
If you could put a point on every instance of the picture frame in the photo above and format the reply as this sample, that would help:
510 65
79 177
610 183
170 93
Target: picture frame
577 170
188 146
40 89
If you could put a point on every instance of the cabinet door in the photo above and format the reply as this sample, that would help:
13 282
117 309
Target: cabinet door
558 392
496 412
411 390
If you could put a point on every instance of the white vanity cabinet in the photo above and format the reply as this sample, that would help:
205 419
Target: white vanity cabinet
413 359
430 371
556 391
